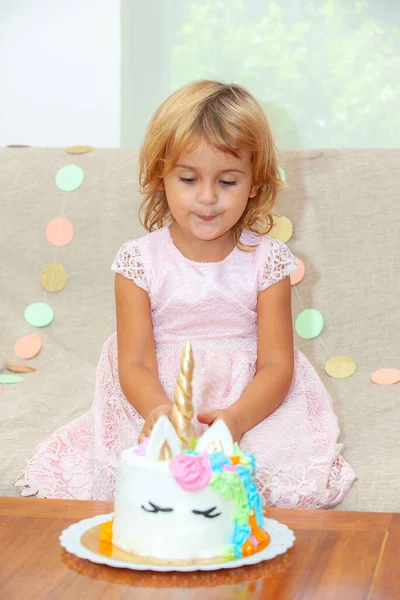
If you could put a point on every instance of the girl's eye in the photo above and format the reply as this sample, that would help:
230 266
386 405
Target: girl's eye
155 509
191 180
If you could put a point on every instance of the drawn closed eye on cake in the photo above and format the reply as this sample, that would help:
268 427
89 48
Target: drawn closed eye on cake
209 513
155 509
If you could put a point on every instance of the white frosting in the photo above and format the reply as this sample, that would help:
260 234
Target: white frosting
176 535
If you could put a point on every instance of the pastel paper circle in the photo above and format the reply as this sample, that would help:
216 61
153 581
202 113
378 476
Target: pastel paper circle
20 369
78 149
386 376
53 277
28 346
69 178
340 367
298 274
282 229
39 314
309 323
282 173
59 231
9 378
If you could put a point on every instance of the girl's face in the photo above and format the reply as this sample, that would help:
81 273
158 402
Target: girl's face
207 191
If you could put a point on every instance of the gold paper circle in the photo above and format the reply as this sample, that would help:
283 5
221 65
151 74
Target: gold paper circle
282 229
53 277
79 149
340 367
20 369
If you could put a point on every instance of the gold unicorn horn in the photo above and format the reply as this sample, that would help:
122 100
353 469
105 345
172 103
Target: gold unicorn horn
182 409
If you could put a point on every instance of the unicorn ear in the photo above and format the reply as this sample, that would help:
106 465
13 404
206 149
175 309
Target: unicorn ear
217 438
162 435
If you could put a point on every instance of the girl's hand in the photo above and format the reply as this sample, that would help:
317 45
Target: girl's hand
152 418
208 418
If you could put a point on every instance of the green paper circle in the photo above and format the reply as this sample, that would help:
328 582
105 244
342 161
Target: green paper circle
10 378
39 314
309 323
282 174
69 178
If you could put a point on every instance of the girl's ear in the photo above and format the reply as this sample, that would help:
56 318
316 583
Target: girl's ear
254 190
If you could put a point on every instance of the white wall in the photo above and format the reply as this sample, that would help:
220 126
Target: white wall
60 72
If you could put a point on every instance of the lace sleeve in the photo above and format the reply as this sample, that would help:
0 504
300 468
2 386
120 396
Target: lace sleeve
279 264
128 263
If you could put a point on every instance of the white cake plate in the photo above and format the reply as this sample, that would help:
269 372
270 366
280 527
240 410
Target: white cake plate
282 538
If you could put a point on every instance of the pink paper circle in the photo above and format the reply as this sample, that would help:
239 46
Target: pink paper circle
299 273
386 376
59 231
28 346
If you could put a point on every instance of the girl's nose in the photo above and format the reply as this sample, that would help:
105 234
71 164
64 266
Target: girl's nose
207 195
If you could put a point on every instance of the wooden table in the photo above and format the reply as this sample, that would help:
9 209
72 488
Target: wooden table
336 556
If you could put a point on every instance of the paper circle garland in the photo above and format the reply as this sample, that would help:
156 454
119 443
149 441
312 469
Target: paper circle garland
69 178
282 229
340 367
39 314
282 173
53 277
298 274
59 231
386 376
309 323
20 369
78 149
7 378
28 346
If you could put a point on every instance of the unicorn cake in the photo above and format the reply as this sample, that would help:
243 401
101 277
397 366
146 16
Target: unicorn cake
178 498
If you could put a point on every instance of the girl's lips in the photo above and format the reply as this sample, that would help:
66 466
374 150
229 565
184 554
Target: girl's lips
203 218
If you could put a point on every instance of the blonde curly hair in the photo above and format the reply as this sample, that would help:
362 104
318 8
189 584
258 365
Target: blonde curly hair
231 120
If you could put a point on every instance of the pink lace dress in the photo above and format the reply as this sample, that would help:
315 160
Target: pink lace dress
214 306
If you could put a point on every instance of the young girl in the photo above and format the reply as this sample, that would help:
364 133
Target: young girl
207 273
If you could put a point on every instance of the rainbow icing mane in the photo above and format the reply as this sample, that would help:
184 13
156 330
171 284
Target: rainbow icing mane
232 478
205 469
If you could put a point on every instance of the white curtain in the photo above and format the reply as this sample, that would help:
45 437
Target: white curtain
326 71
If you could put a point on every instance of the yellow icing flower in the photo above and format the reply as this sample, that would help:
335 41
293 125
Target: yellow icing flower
105 538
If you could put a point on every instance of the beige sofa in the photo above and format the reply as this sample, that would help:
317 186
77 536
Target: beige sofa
345 207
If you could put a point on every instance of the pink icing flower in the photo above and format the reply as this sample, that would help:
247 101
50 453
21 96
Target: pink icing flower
229 468
192 471
141 449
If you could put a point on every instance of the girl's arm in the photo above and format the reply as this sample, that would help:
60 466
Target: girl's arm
275 364
137 362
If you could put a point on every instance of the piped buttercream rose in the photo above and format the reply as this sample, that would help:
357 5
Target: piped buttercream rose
191 472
